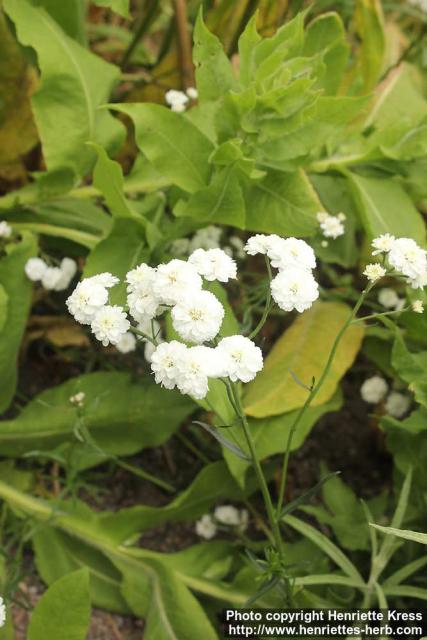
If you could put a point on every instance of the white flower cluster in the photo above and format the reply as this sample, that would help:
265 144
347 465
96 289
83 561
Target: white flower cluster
207 526
403 255
5 229
52 278
78 399
178 100
294 287
331 226
207 238
375 390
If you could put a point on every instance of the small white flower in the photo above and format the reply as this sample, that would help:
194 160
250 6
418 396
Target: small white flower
51 278
388 298
294 288
35 269
322 216
418 306
227 514
192 372
142 306
105 279
324 244
332 227
408 258
164 360
127 343
419 282
374 272
382 244
180 247
177 100
206 238
2 612
88 297
241 357
290 252
206 527
109 324
238 245
374 389
140 279
213 264
341 216
78 399
258 244
192 93
68 268
397 404
5 229
198 317
175 280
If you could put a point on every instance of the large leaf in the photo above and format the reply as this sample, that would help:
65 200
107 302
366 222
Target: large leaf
326 36
384 207
302 352
108 178
174 146
69 15
17 291
123 417
66 607
74 82
370 55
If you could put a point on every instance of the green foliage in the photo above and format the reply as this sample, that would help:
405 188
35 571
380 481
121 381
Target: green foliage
119 6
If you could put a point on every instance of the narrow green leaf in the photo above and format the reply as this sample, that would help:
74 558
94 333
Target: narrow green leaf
236 450
108 178
415 536
307 495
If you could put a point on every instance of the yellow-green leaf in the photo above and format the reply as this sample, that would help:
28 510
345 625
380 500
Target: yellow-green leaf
301 353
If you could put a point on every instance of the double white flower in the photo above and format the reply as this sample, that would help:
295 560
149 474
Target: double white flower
403 255
51 278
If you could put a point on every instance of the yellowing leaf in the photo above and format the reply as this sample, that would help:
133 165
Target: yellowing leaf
303 351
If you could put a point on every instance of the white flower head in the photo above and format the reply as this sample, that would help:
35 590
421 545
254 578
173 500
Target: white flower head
180 247
294 288
290 252
238 245
35 269
109 324
322 216
227 514
68 268
397 404
206 527
408 258
164 361
175 280
419 282
140 279
192 93
241 357
142 306
374 271
332 227
258 244
105 279
2 613
207 238
198 316
382 244
88 297
374 389
51 277
127 343
177 100
213 264
418 306
192 372
388 298
5 229
78 399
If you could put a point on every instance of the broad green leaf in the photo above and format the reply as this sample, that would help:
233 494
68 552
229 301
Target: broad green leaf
17 288
173 145
282 203
284 44
369 62
123 249
69 15
247 43
74 82
301 352
326 36
108 178
214 73
119 6
65 607
4 298
384 207
123 417
414 536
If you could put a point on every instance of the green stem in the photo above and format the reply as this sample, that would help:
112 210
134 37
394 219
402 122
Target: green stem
372 316
313 393
140 333
267 304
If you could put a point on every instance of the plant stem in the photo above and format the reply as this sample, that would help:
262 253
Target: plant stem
372 316
267 305
313 393
140 333
139 33
184 44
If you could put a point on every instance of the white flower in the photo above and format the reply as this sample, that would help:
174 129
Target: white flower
68 268
397 404
5 229
78 399
419 282
418 306
127 343
177 100
142 306
408 258
206 527
149 349
388 298
290 252
227 514
332 227
324 244
192 372
294 288
35 269
258 244
238 245
382 244
2 612
241 357
206 238
180 247
213 264
321 216
105 279
164 361
374 271
192 93
175 280
198 317
109 324
87 298
51 278
140 279
374 389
